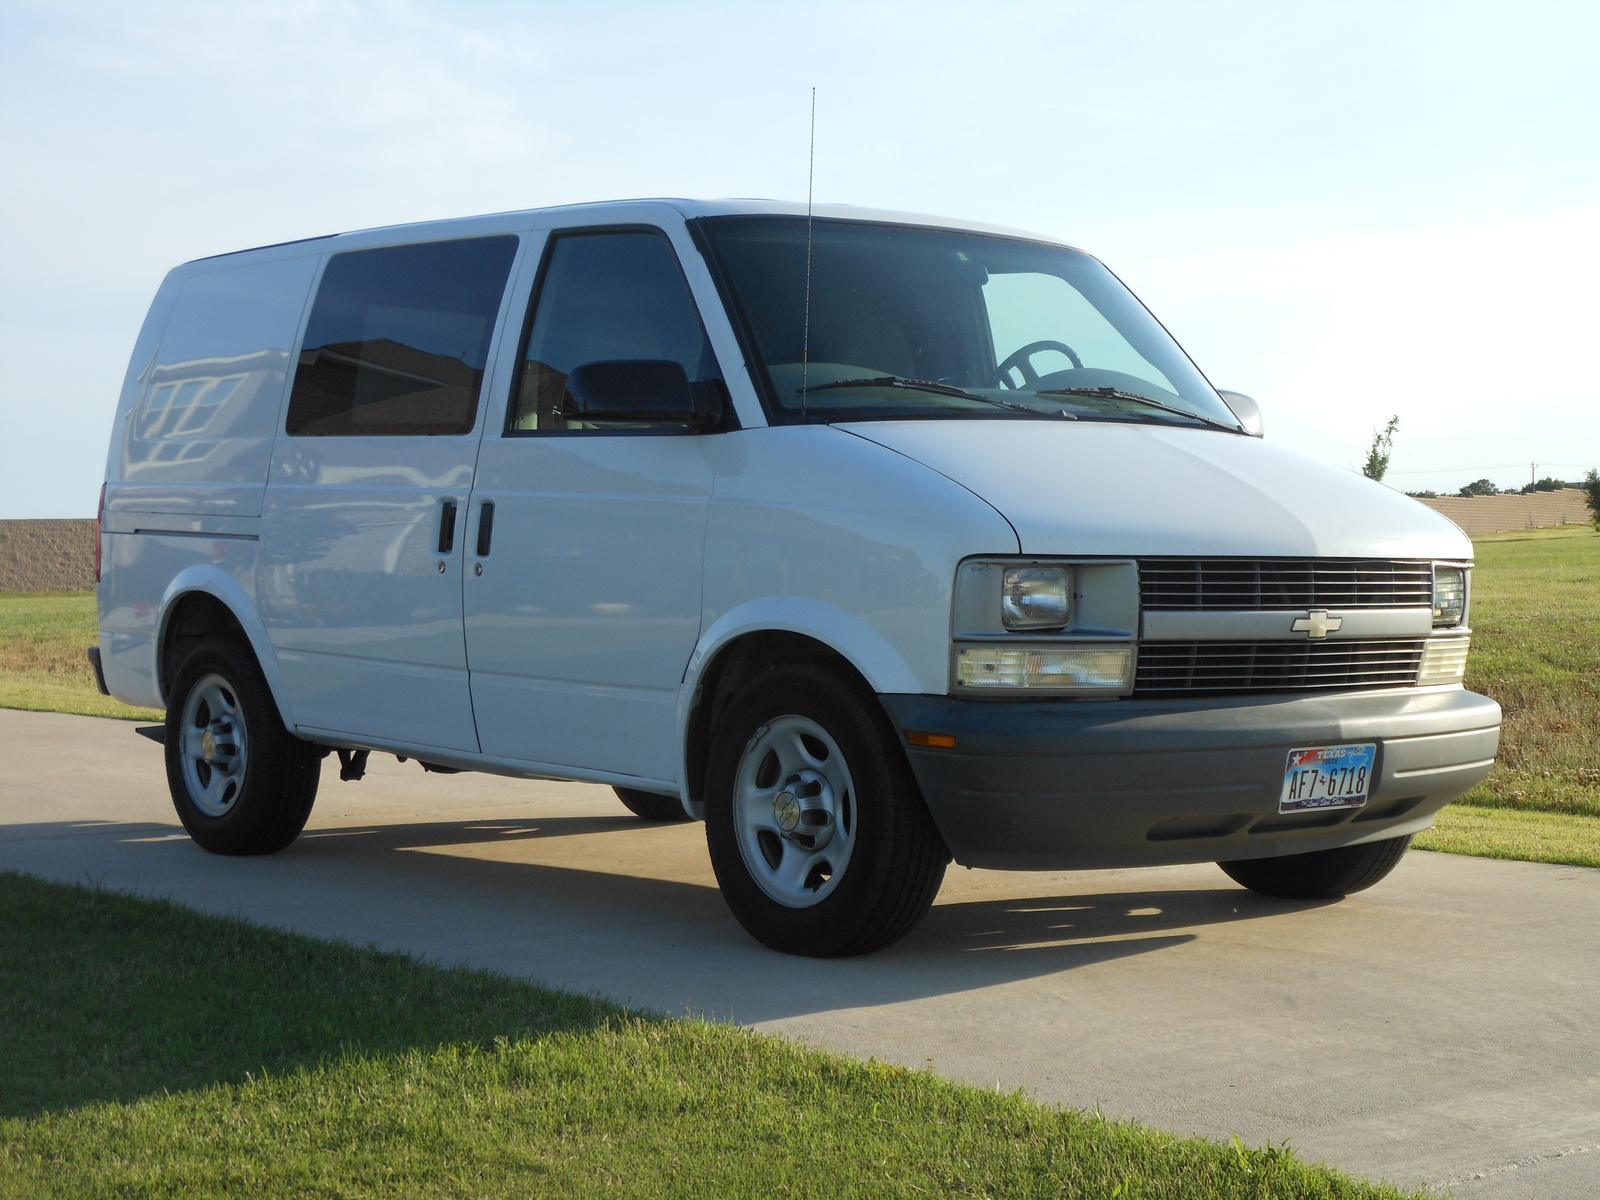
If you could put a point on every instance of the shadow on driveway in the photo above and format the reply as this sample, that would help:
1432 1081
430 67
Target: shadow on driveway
602 925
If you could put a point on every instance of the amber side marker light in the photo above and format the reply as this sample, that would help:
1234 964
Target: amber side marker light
935 741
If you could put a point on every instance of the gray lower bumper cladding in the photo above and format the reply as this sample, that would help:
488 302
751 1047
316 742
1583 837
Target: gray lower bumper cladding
1058 785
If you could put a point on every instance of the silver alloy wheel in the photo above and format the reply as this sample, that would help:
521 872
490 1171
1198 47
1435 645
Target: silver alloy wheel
213 749
794 811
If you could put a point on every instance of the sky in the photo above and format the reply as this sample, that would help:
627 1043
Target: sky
1350 211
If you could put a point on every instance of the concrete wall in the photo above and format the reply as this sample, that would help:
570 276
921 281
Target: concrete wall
46 556
1503 514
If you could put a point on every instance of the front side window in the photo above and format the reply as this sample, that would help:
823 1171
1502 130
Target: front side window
605 297
398 338
896 321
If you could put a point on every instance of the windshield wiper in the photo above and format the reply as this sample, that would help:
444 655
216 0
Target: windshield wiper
1110 393
925 385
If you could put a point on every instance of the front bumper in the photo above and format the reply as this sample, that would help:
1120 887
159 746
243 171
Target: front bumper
1054 785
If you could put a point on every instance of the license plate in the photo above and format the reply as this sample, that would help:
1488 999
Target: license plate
1327 777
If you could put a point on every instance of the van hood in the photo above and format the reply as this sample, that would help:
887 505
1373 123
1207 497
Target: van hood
1083 487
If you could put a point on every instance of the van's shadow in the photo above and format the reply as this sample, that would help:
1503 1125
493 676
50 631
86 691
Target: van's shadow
667 944
672 944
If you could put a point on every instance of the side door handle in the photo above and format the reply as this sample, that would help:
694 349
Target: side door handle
485 527
447 527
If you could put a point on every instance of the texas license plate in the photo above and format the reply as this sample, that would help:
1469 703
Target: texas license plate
1327 777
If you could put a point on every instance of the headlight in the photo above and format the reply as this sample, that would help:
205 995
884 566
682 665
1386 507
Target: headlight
1067 668
1036 597
1444 660
1449 596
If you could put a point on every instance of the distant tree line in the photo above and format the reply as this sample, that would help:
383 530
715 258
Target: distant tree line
1382 450
1485 487
1590 484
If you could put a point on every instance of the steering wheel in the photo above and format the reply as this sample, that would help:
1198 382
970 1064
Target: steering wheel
1018 361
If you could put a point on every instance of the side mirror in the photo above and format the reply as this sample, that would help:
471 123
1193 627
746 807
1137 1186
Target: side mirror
1246 409
639 392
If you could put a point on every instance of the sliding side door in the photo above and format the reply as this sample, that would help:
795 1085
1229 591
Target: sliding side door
362 540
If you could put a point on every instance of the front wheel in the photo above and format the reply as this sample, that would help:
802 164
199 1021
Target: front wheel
817 831
241 782
1321 874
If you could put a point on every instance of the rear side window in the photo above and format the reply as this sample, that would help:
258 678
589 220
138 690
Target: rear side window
398 338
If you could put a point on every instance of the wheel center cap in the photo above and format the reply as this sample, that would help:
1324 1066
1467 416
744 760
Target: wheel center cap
786 811
208 745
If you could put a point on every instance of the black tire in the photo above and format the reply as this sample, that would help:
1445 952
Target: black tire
649 806
1321 874
232 802
861 809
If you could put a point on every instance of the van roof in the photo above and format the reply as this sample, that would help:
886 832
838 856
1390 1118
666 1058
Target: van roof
612 210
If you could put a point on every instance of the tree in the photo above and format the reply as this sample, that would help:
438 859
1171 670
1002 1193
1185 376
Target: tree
1382 446
1547 484
1480 487
1591 484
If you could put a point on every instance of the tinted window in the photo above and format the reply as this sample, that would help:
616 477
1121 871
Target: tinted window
398 338
606 297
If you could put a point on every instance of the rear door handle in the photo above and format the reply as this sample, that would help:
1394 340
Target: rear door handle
485 527
447 527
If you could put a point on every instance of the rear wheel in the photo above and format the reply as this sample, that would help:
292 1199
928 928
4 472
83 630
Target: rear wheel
817 831
241 782
1321 874
650 806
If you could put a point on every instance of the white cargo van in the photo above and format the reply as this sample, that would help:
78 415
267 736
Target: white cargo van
871 540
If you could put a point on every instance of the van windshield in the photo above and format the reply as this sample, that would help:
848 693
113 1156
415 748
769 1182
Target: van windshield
993 326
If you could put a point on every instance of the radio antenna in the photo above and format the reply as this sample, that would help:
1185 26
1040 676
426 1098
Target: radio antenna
805 339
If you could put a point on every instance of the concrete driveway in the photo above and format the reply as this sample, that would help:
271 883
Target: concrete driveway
1442 1029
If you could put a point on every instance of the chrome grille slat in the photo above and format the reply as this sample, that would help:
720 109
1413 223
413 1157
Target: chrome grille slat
1175 669
1286 583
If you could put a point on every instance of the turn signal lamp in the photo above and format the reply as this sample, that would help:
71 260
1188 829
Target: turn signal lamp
1067 668
1444 660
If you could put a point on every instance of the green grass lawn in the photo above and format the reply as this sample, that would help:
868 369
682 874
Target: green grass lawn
1536 649
44 639
150 1050
1494 832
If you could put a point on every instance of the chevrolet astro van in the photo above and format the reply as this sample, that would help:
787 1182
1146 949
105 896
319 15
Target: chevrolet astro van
870 540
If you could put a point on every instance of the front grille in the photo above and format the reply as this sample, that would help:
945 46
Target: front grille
1174 669
1243 584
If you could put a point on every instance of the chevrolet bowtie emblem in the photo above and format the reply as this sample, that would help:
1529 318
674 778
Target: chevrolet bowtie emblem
1317 624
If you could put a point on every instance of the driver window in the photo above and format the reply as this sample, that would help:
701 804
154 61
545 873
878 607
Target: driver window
605 297
1029 308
